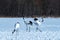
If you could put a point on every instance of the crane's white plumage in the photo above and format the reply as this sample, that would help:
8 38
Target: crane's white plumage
17 25
37 22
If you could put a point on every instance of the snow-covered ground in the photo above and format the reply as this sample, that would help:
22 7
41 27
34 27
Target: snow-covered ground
45 35
50 29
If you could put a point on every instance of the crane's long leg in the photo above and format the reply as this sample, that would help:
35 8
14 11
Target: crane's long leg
38 29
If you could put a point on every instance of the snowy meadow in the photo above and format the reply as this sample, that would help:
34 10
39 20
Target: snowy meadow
50 29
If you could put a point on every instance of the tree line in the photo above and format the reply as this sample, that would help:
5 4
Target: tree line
29 8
